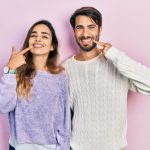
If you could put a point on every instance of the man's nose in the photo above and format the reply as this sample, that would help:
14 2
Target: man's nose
85 32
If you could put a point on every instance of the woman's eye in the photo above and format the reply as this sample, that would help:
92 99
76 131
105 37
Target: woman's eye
33 35
45 37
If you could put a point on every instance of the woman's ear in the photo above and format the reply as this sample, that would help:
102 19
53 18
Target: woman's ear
52 48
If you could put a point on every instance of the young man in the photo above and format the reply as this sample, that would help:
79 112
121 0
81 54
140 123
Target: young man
99 82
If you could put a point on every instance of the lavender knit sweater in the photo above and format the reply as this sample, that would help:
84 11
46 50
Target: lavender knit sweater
43 120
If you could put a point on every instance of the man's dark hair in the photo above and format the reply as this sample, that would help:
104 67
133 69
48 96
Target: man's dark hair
91 12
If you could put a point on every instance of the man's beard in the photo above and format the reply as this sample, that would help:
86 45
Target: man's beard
86 48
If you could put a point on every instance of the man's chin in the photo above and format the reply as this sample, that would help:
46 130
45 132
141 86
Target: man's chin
88 49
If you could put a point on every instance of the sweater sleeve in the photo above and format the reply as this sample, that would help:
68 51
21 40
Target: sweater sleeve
63 119
8 94
65 65
138 74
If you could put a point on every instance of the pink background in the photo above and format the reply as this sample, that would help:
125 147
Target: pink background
126 24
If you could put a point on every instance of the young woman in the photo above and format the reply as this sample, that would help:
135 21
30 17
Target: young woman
34 91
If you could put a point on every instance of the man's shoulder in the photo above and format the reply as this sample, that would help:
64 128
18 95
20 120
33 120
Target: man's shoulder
67 61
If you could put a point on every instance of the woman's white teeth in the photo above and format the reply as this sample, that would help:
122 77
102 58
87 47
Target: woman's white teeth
38 45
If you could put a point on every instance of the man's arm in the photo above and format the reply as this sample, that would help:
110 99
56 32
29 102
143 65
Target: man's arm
138 74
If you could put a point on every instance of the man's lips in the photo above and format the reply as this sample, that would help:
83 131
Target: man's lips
86 41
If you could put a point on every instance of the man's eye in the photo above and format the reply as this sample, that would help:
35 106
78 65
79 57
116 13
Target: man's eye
78 27
91 27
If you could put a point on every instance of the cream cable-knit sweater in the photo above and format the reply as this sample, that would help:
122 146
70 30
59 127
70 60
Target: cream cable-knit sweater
98 99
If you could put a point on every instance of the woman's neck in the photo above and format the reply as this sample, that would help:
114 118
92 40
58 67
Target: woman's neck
40 63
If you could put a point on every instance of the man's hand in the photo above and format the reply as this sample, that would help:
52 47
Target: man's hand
104 47
17 59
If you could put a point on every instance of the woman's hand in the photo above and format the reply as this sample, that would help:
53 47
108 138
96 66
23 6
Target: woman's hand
17 59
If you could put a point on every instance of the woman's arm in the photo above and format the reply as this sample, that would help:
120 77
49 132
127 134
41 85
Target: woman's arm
63 119
8 96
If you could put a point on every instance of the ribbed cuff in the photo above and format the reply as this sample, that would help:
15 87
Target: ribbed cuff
113 54
9 78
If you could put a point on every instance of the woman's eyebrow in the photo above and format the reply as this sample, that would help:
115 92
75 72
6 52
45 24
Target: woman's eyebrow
45 33
41 32
33 32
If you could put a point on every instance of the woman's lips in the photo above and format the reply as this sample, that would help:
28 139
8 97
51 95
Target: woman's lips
38 45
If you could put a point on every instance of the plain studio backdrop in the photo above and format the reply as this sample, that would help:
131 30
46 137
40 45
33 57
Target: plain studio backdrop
126 24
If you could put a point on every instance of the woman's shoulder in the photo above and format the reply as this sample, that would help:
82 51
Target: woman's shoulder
63 76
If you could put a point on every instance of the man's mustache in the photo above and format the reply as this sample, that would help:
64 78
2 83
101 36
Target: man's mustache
85 37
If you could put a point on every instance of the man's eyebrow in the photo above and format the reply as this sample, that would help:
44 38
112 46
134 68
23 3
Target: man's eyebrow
92 25
79 25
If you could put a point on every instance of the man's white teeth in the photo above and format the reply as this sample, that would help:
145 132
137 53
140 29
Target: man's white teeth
86 41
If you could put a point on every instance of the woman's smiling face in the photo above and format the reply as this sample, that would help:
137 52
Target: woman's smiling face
41 40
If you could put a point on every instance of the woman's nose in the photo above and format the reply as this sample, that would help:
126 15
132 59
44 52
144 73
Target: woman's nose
38 38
